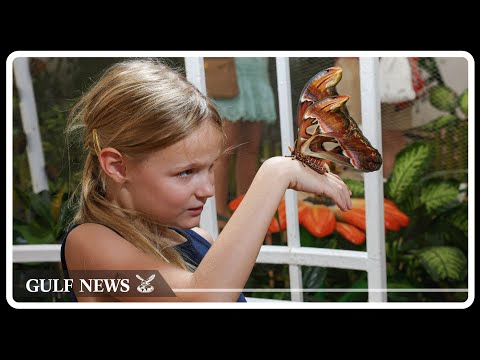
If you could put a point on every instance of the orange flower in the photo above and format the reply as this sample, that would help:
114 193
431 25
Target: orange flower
319 220
274 226
392 209
282 216
351 233
355 217
394 218
322 220
316 218
233 205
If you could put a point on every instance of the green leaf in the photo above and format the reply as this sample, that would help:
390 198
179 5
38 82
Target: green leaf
463 102
40 204
280 296
430 65
443 98
444 263
436 196
442 233
33 233
356 186
400 285
440 122
307 239
399 296
22 196
410 164
361 283
329 243
420 221
313 276
459 218
411 202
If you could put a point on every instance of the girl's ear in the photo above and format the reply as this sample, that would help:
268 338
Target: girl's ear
113 164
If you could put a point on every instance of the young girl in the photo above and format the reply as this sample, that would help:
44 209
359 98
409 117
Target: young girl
152 140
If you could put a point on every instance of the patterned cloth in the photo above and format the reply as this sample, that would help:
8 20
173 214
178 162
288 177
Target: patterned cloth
255 101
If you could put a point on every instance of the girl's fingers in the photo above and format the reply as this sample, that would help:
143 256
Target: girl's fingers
340 179
329 184
335 175
349 200
338 194
344 200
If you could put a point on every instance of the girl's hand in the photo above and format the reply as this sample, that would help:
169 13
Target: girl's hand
302 178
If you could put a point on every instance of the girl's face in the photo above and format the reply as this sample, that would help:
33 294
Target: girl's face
173 184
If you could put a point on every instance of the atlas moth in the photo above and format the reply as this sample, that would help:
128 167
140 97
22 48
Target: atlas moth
326 131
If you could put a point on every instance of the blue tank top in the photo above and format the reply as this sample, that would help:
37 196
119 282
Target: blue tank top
193 250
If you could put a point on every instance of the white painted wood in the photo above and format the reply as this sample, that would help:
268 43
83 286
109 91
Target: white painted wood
288 139
295 276
269 254
196 75
372 129
36 253
341 259
28 111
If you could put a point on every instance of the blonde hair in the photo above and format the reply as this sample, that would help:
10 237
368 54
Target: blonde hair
137 107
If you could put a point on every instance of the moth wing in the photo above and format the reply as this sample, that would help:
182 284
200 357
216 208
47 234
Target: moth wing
319 86
325 147
328 117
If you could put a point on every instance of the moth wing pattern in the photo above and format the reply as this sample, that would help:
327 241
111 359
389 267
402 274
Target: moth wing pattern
326 131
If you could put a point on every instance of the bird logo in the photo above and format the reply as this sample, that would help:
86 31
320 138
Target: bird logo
145 286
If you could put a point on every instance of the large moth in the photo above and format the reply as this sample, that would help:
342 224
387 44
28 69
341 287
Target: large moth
326 131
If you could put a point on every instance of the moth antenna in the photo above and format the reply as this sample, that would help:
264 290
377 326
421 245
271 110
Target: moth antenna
291 153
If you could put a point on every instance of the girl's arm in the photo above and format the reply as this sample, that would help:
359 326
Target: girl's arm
230 260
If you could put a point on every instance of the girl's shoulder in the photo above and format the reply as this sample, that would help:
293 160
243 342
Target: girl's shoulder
95 246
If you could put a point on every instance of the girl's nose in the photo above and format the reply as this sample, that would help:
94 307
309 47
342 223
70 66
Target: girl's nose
206 188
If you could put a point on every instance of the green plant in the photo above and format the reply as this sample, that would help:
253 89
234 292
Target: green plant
448 133
45 218
431 251
40 219
425 183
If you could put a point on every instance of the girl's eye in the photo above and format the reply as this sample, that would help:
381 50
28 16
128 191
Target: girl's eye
185 173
